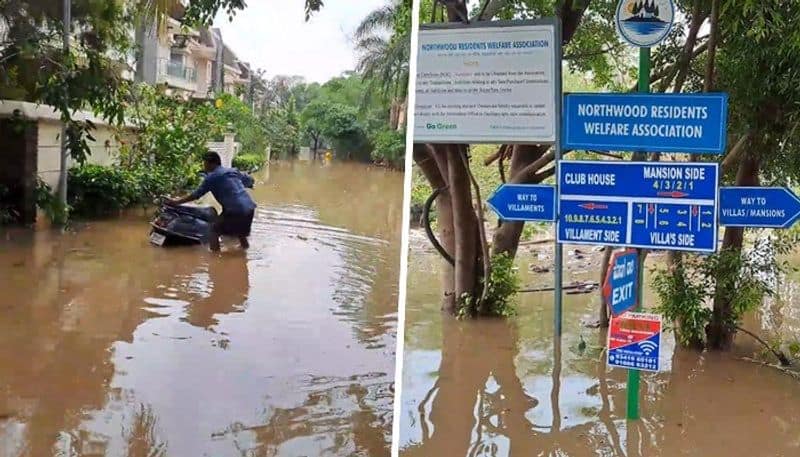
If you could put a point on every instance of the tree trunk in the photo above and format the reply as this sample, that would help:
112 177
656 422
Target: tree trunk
431 168
464 223
720 331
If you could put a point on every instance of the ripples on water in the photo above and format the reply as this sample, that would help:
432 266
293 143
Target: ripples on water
285 350
502 388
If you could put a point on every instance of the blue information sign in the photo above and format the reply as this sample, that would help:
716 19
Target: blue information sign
775 207
524 202
694 123
649 205
619 289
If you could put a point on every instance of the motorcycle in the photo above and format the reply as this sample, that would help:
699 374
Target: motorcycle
182 225
186 224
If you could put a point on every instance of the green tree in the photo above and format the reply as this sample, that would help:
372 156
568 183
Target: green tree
383 41
338 124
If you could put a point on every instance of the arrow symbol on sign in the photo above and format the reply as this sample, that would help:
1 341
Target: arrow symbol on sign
673 194
593 206
737 203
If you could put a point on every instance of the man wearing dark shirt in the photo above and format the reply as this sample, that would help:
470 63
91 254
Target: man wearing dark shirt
227 185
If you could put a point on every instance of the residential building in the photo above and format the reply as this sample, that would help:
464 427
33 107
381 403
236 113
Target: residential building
193 63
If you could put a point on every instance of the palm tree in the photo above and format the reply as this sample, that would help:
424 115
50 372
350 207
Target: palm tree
384 48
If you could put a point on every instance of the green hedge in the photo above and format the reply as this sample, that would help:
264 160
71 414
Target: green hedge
249 162
95 190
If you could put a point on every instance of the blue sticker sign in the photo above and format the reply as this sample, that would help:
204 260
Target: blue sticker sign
644 23
619 289
769 207
649 205
695 123
634 342
524 202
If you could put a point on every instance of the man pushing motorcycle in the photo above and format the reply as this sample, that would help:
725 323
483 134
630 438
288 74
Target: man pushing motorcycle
227 185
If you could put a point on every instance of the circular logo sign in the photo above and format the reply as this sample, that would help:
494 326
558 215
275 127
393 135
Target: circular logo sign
644 23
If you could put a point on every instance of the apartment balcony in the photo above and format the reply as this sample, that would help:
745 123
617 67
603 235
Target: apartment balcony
177 75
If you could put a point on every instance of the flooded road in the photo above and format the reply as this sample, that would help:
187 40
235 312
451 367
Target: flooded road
112 347
494 390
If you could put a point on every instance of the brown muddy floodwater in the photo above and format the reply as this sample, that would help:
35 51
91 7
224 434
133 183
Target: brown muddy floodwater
491 387
112 347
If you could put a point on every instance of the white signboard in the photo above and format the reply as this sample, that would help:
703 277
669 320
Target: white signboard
487 85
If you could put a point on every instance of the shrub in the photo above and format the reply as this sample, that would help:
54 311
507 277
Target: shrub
502 286
48 202
249 163
390 147
96 190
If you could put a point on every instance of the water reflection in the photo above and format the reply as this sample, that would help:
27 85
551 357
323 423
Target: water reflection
109 346
506 388
222 289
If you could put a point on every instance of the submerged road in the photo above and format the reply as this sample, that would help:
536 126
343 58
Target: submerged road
112 347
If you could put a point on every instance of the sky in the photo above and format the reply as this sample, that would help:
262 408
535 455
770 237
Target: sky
272 35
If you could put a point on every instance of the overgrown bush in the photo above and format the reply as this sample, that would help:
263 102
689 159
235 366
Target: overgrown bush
503 285
249 162
49 203
96 190
743 278
389 147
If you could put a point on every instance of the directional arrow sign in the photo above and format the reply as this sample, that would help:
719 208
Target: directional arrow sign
647 205
524 202
775 207
619 289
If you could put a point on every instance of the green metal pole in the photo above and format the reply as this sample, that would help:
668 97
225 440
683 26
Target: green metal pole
633 375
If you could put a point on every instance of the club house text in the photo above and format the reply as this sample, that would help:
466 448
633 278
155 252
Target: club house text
661 173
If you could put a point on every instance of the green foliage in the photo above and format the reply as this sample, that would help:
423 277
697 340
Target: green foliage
742 279
36 68
763 37
237 116
172 136
54 210
249 162
503 285
339 125
389 147
682 297
95 190
383 41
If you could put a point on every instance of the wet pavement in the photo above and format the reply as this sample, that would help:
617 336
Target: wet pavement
112 347
505 388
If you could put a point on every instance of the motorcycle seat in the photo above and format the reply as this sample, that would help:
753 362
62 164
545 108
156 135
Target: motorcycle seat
206 213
